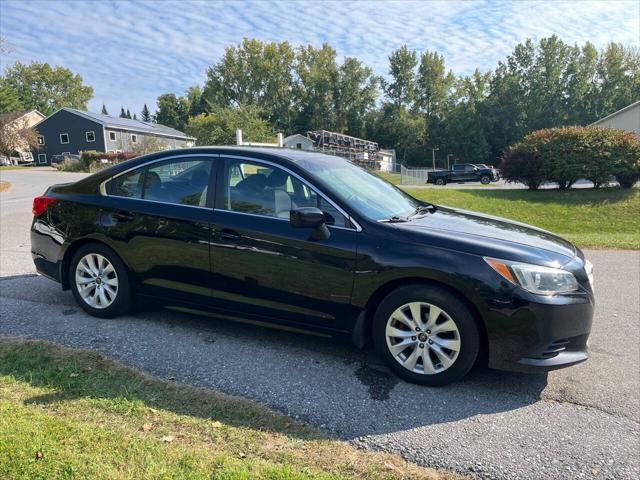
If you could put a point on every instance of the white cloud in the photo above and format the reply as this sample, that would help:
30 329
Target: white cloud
133 51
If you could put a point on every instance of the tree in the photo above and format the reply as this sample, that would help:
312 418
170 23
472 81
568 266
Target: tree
219 126
355 96
123 114
401 89
135 117
128 113
253 73
172 111
317 71
45 88
104 110
9 100
145 115
16 135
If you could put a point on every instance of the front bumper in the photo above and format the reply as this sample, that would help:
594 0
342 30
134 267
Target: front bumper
539 336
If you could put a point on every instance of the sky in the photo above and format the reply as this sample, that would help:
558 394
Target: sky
133 51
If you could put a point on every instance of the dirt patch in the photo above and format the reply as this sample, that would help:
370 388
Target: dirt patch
4 186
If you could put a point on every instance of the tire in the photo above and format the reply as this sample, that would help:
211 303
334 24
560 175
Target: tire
485 180
440 181
446 365
114 283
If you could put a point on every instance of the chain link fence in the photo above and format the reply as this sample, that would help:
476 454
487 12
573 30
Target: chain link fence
413 176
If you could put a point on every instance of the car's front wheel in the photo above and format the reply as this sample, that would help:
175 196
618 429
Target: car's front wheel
485 180
100 281
440 181
426 334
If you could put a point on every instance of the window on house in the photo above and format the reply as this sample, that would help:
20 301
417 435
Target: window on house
40 139
91 136
42 158
64 138
299 146
134 138
112 136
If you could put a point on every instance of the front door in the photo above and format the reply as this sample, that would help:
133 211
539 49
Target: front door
161 213
262 265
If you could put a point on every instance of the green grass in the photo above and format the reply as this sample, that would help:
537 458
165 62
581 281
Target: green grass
604 218
14 167
389 176
76 414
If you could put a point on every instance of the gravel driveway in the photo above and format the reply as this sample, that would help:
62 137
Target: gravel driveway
582 422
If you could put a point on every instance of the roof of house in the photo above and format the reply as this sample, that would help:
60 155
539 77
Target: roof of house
11 116
129 124
614 114
296 136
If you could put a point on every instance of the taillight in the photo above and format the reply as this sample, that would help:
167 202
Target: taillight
40 204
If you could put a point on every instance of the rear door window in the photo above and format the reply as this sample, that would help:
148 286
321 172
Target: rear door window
127 185
180 181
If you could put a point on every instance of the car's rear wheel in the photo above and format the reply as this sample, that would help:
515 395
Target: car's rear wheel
440 181
100 281
485 180
426 334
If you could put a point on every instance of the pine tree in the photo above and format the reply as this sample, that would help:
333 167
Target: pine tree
135 117
145 115
104 110
128 113
123 114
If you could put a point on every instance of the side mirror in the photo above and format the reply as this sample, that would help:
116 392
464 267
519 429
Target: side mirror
310 217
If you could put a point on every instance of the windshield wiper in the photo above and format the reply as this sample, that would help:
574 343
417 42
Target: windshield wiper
394 219
423 209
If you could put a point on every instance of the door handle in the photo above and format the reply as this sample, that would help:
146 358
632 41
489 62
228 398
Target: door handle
123 217
229 235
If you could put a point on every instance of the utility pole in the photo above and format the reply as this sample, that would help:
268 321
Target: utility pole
433 156
448 155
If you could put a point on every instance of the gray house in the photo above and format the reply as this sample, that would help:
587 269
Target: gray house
72 131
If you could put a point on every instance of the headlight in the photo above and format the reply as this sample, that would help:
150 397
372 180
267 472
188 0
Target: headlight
535 278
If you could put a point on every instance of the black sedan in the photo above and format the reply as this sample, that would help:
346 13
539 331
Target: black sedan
313 243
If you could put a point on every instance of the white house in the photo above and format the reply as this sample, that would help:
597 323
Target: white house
16 122
298 142
627 119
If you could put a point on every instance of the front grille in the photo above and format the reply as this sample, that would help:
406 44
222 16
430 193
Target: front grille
553 349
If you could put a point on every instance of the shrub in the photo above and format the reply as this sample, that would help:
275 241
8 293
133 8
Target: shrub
68 165
520 165
88 157
564 155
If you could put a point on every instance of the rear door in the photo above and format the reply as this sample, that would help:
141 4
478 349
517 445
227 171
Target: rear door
262 265
158 217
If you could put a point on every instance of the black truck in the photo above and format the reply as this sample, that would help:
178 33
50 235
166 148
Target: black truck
464 172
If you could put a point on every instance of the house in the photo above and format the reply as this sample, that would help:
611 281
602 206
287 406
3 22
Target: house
71 131
387 160
15 123
627 119
299 142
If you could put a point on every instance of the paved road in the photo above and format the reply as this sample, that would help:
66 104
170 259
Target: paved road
582 422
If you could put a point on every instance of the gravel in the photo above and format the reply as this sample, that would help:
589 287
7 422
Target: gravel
582 422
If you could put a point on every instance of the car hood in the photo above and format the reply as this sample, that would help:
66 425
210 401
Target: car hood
489 235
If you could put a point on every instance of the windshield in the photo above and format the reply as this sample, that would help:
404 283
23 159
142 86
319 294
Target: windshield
366 192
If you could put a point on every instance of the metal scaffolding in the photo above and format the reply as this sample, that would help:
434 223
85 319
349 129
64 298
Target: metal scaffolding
362 152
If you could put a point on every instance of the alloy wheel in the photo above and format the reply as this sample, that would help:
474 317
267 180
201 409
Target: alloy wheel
96 281
422 338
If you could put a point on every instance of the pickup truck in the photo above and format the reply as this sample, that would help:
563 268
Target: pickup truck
464 172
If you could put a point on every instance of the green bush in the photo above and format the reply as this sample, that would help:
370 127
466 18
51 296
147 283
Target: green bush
566 154
88 157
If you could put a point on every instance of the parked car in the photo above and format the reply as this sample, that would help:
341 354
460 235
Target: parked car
64 156
313 242
464 172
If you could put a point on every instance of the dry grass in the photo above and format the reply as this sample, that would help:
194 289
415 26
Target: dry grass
4 186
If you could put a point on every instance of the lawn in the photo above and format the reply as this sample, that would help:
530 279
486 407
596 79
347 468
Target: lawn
76 414
603 218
